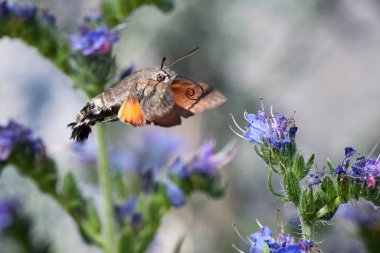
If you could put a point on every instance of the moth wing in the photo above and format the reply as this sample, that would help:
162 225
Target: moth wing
192 98
170 119
131 112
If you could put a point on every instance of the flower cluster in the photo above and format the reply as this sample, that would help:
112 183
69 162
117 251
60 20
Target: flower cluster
94 38
127 213
25 11
205 163
15 134
8 209
364 169
273 130
264 241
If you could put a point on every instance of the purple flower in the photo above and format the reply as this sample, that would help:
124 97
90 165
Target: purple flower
175 194
93 41
48 17
8 209
206 162
3 8
127 211
126 72
364 169
24 10
6 144
155 150
315 178
363 213
14 134
282 243
93 17
275 131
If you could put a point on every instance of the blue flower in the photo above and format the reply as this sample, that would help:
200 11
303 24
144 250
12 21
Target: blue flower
127 211
48 17
364 169
282 243
8 209
4 8
276 131
206 162
175 194
6 144
23 10
363 213
93 40
14 134
126 72
315 178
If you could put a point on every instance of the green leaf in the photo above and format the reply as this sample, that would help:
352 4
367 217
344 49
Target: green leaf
115 12
126 242
269 182
292 187
93 217
299 167
331 167
329 189
266 248
307 205
179 244
69 187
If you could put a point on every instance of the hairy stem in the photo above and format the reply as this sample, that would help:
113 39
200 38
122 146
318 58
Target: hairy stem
307 229
104 179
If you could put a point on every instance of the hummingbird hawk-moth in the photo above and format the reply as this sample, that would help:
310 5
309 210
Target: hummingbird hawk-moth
154 95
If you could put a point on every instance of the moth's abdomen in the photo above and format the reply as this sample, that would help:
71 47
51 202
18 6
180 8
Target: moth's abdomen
98 109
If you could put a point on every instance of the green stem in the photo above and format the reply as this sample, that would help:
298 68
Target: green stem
104 179
307 230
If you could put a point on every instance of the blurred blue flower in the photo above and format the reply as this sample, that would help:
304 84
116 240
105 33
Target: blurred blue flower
85 153
23 10
206 162
93 17
8 209
126 72
6 144
275 131
364 213
93 40
175 194
3 8
14 134
48 17
282 243
128 211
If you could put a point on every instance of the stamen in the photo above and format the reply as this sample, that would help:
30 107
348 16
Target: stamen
374 148
258 223
237 249
241 136
262 103
236 124
241 237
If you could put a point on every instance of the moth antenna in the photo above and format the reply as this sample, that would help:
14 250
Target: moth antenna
185 56
163 62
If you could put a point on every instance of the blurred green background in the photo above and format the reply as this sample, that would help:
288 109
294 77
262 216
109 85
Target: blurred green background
318 58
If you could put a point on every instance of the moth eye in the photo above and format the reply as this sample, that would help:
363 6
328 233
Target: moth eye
160 77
